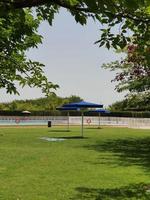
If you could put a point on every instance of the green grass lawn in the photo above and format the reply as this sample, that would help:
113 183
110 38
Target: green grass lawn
108 163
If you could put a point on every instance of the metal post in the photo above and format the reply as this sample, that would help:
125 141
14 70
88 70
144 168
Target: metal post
99 120
68 122
82 124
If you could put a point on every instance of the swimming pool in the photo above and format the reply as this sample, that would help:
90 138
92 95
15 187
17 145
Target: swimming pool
23 122
6 121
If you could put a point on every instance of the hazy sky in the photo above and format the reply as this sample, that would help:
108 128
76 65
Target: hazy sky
73 62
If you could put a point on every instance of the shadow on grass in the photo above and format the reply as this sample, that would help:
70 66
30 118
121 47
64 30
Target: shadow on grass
59 131
73 137
98 127
129 151
137 191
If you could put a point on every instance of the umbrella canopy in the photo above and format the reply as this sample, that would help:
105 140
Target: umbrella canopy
83 104
26 112
99 111
67 108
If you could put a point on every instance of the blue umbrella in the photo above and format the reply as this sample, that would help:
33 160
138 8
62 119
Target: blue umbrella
83 105
63 108
99 111
67 109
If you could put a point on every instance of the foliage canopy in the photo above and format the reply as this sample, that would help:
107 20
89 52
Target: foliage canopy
134 102
133 72
19 25
42 104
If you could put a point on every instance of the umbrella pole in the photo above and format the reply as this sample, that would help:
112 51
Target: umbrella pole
82 126
99 120
68 122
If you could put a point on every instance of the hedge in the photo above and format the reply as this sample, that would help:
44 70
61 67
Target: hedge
76 113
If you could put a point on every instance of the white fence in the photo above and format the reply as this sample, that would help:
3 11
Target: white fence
63 120
116 121
113 121
142 123
32 120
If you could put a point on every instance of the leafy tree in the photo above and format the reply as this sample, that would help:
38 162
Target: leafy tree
73 98
133 72
18 33
41 104
133 102
13 106
19 24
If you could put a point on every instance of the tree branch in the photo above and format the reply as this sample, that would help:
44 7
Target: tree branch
29 3
62 3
